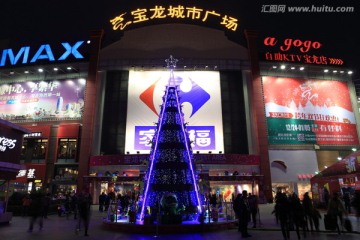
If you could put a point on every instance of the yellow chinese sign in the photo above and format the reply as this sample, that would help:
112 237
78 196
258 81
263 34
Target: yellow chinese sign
125 19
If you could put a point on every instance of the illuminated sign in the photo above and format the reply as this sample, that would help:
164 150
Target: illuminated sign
200 97
33 135
125 19
309 112
30 173
304 46
42 100
6 143
44 52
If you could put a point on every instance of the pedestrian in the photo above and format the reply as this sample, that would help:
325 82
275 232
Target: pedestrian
347 202
282 210
254 208
309 211
236 208
102 198
47 203
356 205
36 210
243 209
26 200
84 204
297 215
336 210
74 204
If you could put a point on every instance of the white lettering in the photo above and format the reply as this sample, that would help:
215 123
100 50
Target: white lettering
6 143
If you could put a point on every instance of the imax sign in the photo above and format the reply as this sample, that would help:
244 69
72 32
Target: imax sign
43 52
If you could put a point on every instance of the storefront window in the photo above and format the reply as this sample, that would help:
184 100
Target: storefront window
67 150
33 150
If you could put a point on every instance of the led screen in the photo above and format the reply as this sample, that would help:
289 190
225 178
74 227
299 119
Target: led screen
42 100
305 111
200 96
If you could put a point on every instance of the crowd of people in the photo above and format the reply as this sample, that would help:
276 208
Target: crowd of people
36 206
291 213
302 216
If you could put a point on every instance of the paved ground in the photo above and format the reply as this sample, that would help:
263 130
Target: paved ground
61 228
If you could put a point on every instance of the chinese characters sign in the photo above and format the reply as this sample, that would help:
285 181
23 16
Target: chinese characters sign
200 97
157 12
42 100
309 112
287 48
201 137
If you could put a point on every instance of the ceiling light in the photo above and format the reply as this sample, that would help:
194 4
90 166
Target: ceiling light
56 69
40 70
350 72
301 68
326 70
282 66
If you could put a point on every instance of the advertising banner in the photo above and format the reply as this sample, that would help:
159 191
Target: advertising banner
306 111
42 100
200 97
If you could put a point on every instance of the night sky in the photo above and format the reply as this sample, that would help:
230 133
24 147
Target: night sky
25 22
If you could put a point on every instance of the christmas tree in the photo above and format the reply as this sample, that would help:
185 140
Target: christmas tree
171 180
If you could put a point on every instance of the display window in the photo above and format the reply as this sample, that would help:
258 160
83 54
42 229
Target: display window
67 150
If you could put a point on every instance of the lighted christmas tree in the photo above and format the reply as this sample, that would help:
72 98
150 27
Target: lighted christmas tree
171 174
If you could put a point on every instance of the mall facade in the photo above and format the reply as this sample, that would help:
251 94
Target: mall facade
259 120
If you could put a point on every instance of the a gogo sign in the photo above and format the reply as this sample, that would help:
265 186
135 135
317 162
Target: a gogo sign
6 143
43 52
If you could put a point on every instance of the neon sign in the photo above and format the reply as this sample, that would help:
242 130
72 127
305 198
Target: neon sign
6 143
43 52
125 19
304 46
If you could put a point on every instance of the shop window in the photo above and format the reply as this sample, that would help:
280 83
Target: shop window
67 150
34 150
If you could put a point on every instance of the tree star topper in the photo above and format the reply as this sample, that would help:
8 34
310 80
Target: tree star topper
171 62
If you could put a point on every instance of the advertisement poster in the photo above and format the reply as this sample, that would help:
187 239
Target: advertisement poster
307 111
200 97
42 100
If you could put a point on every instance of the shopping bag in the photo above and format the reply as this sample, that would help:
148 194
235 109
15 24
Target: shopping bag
348 225
329 222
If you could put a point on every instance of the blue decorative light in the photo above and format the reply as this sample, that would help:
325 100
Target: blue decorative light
171 169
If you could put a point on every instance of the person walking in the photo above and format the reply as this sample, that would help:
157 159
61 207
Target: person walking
309 211
282 209
26 200
84 204
297 215
254 208
47 203
243 210
336 210
102 198
36 210
356 204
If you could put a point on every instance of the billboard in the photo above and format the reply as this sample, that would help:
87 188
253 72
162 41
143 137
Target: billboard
200 96
308 111
42 100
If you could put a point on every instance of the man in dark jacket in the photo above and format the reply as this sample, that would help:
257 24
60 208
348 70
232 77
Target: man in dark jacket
242 210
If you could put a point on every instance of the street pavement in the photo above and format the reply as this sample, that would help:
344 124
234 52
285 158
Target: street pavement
56 227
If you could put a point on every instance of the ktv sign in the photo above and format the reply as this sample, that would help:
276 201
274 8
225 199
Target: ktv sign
27 55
